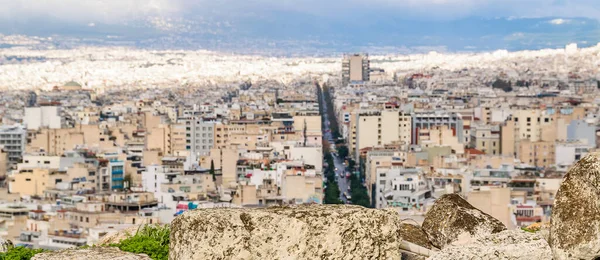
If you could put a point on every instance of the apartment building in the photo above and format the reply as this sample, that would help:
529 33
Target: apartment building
14 140
568 153
116 169
300 186
381 127
495 201
42 117
440 136
538 154
168 139
199 135
401 187
355 67
486 138
583 131
427 120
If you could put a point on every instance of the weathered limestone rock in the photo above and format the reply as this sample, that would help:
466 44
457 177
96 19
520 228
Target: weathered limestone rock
452 220
575 224
96 253
5 245
116 237
303 232
415 235
510 244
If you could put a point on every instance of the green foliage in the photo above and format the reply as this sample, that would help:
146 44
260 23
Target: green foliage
150 240
528 230
332 194
359 192
343 151
502 84
19 253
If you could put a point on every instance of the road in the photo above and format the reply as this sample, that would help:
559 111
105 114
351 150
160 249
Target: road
343 184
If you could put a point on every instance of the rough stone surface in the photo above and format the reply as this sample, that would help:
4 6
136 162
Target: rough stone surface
96 253
5 245
415 235
118 236
510 244
303 232
575 224
453 221
121 235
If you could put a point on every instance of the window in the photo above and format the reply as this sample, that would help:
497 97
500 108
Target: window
27 179
529 119
87 220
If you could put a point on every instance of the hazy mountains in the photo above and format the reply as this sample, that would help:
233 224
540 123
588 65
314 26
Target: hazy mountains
289 32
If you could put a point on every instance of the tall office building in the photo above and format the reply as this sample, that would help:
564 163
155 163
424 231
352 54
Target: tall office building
355 68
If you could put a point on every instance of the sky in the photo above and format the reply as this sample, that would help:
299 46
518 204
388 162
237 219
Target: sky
452 24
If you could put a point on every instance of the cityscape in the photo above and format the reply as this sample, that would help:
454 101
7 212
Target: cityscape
299 151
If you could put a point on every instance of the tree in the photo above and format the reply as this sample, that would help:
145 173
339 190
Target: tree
502 84
343 151
212 170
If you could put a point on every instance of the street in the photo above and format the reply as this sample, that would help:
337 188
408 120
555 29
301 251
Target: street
338 162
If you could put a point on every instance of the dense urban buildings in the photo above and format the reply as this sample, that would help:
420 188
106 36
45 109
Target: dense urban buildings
86 155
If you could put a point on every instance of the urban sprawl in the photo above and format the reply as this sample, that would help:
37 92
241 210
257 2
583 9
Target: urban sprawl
98 140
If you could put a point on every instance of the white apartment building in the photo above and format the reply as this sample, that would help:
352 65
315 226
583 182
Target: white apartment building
401 187
42 117
567 153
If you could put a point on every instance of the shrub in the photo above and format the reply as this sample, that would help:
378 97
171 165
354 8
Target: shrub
150 240
19 253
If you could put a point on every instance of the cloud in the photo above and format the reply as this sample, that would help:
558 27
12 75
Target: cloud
118 11
105 11
559 21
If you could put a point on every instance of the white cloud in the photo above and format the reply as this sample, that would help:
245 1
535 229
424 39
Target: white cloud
106 11
559 21
114 11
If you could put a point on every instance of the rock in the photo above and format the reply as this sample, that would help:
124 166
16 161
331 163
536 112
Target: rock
302 232
575 224
116 237
452 220
510 244
96 253
5 245
415 235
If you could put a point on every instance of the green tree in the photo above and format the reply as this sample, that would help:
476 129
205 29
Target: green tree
212 170
343 151
19 253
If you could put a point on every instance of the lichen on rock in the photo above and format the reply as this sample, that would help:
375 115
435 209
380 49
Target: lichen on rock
452 220
299 232
509 244
95 253
575 224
